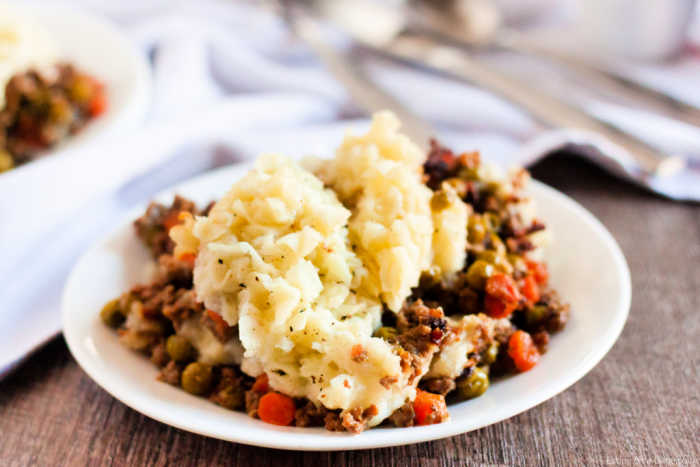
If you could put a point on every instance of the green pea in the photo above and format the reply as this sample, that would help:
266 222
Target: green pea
476 229
490 354
497 244
197 378
493 220
499 261
478 273
489 256
536 314
459 185
82 89
6 161
439 201
111 314
60 111
469 173
179 348
231 397
386 333
492 187
474 385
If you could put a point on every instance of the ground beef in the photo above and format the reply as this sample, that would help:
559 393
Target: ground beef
403 416
455 296
159 356
171 373
154 297
221 330
252 399
502 332
559 311
333 422
152 228
230 390
310 414
541 340
420 327
175 271
185 305
519 245
421 330
387 381
440 386
442 163
553 320
353 420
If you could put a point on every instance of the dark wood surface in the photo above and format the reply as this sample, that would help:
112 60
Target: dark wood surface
641 404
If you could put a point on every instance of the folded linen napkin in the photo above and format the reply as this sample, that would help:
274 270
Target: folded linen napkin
229 75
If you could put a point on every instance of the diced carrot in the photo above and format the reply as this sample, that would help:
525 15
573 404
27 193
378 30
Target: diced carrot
189 257
501 297
530 289
171 220
221 325
539 270
261 384
358 353
522 350
98 104
276 408
429 408
496 308
503 287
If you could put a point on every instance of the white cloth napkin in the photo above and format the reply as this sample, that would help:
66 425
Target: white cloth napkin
230 82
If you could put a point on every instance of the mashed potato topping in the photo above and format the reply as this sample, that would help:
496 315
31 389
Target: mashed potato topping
304 270
468 330
378 177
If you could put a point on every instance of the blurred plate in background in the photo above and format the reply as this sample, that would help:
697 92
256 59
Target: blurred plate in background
97 47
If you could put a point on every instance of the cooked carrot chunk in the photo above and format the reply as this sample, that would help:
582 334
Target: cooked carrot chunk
502 287
276 408
523 351
539 270
189 257
429 408
261 384
501 297
496 308
530 289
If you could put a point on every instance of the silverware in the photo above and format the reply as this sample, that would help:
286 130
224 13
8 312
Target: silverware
383 30
477 24
363 92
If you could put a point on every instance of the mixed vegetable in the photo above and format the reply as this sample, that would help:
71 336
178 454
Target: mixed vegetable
41 111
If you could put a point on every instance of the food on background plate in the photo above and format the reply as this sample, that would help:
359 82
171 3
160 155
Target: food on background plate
43 100
371 288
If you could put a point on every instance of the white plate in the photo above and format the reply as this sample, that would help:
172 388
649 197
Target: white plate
586 266
97 47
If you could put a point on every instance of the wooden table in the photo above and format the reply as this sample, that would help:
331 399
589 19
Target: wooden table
639 405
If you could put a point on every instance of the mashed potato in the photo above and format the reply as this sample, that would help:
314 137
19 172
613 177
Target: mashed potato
23 45
469 331
209 349
274 258
304 270
378 177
